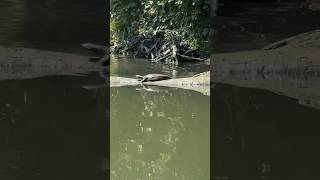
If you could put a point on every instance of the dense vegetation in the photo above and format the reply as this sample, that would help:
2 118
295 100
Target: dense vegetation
188 19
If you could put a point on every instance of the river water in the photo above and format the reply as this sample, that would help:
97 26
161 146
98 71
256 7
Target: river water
263 135
51 127
52 24
161 133
264 127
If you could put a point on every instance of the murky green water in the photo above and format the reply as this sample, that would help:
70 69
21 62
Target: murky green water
257 134
52 24
50 126
162 134
129 67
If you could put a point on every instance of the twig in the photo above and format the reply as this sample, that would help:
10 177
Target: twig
191 58
164 57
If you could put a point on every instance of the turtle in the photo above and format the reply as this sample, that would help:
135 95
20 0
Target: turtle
153 77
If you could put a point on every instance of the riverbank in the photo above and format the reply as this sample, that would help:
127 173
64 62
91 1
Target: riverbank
163 46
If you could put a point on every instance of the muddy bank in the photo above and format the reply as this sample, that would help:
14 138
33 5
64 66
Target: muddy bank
163 46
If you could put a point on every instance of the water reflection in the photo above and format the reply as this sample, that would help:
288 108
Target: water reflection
52 23
159 135
51 128
265 121
129 67
260 135
301 83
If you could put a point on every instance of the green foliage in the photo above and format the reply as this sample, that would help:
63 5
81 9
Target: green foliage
189 18
125 16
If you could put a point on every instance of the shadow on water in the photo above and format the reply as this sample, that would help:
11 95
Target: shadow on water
159 135
53 24
265 124
51 128
262 135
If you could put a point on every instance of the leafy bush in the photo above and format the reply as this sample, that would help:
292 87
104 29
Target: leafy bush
189 18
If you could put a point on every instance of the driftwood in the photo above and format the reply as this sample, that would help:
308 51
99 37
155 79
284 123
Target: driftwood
299 54
96 48
191 58
103 53
199 83
309 39
25 63
290 67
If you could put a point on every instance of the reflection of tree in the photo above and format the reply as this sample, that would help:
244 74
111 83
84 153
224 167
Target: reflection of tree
147 136
26 23
12 22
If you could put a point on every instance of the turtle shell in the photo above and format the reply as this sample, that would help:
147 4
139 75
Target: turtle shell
155 77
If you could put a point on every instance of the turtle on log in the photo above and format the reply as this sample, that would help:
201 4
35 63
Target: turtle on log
153 77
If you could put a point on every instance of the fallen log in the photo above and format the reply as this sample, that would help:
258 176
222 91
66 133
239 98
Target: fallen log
299 54
199 83
290 67
309 39
26 63
102 50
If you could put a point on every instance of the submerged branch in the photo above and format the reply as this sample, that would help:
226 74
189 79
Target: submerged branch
190 57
